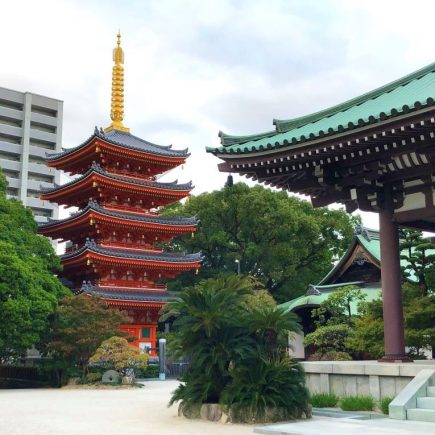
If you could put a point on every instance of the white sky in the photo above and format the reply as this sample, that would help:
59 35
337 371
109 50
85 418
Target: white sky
196 67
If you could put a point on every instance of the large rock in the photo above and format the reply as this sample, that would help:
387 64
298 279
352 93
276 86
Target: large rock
211 412
110 377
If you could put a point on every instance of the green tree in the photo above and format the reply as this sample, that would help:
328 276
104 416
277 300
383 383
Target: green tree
115 353
29 291
281 240
81 323
418 256
335 320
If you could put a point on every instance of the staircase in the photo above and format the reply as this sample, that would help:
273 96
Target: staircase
417 400
425 410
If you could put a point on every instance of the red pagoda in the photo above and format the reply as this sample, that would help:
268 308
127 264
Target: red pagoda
115 240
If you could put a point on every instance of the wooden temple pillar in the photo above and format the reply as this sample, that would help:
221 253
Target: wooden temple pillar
391 282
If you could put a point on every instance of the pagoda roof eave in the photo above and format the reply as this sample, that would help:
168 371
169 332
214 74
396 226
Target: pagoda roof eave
125 140
411 93
178 223
158 258
114 294
96 169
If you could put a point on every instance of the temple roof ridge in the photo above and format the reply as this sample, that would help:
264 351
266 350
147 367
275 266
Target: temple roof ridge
124 139
129 295
170 257
93 205
415 91
96 168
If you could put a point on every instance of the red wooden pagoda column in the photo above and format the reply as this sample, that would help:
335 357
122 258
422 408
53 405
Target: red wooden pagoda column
391 282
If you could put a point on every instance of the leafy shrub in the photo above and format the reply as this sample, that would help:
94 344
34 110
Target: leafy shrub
115 353
329 338
151 371
324 400
357 403
271 389
93 377
330 356
384 404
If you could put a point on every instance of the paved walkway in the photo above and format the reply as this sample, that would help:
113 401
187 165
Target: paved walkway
344 426
102 412
144 411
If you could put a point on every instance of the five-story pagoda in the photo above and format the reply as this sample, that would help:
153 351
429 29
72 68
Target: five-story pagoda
115 239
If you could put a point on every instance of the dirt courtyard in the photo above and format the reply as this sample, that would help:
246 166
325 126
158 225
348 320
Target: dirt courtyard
101 412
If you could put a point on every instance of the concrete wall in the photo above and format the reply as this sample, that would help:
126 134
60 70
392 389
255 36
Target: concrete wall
30 127
349 378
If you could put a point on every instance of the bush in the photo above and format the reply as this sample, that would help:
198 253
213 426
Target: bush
324 400
151 371
330 356
357 403
93 377
268 390
384 404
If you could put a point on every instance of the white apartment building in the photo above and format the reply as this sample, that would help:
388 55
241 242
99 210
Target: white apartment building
30 127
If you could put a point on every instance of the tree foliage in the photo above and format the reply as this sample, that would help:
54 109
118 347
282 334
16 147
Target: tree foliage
115 353
335 320
81 323
29 291
280 240
238 354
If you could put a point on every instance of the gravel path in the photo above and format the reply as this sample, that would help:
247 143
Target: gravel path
102 412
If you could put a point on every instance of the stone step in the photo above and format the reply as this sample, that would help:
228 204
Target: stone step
426 402
418 414
431 391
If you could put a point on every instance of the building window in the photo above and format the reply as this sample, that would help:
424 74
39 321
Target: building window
36 159
9 138
12 191
11 104
43 127
33 193
41 177
10 121
9 156
42 212
42 144
11 174
44 111
146 333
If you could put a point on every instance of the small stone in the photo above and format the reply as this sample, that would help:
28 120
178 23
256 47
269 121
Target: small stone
211 412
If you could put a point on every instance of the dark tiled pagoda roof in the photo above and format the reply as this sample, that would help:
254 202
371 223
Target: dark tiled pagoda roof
126 140
127 295
164 257
93 205
96 168
410 93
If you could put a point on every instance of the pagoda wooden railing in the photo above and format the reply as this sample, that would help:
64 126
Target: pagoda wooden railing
130 245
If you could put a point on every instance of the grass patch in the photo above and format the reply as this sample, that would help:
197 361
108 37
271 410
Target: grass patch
324 400
357 403
384 403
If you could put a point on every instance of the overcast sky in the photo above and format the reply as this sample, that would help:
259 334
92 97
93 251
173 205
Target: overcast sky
195 67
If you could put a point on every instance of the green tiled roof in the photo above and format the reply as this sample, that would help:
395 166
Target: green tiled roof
409 93
369 293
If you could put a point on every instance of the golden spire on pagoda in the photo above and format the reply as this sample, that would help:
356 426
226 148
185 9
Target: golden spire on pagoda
117 107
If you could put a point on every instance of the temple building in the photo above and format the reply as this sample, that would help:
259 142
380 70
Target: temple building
115 240
375 152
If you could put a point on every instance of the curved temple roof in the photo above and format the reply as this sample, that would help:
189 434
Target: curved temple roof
127 140
164 257
93 205
95 168
130 295
412 92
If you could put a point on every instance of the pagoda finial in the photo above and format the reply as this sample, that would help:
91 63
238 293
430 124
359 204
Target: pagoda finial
117 107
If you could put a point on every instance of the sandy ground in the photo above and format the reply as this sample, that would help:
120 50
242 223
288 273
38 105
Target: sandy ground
101 412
